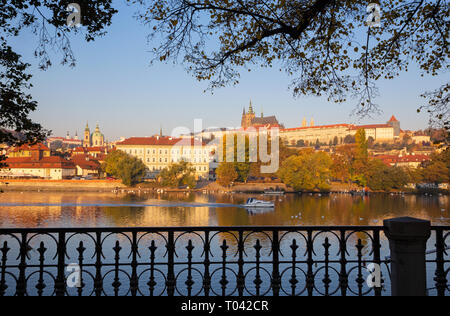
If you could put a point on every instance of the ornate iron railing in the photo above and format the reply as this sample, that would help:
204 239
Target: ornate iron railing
438 260
201 261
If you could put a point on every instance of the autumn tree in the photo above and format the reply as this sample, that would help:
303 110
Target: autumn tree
435 172
343 160
307 171
226 173
129 169
361 155
325 45
178 175
349 139
381 177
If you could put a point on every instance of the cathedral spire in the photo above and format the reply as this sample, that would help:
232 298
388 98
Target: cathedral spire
87 126
250 109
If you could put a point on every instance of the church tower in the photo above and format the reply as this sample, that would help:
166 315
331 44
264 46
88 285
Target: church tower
247 118
396 125
87 136
304 122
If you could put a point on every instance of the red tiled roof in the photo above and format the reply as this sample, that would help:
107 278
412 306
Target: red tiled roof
45 162
102 149
90 164
393 119
159 141
38 146
392 159
372 126
89 149
52 139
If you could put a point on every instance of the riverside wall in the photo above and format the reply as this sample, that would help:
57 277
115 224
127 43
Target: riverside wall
60 185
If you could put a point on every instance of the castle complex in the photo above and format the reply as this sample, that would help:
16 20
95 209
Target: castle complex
326 134
336 134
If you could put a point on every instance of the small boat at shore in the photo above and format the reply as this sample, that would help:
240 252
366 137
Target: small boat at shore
273 192
254 203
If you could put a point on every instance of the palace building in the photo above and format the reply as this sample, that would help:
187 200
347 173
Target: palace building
159 152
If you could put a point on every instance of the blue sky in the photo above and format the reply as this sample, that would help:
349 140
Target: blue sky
114 84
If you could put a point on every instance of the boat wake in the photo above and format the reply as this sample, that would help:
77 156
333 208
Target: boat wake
136 205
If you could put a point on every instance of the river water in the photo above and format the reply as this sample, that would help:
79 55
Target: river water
41 209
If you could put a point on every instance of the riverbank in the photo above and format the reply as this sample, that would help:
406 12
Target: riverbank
61 185
203 187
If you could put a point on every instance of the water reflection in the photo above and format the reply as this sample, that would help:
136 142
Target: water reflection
175 209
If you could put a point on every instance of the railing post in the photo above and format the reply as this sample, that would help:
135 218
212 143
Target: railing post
171 282
440 275
276 279
407 240
21 287
60 283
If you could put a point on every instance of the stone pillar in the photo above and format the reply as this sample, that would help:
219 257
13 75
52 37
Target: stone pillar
407 240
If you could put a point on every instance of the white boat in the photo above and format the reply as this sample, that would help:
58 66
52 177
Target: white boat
254 203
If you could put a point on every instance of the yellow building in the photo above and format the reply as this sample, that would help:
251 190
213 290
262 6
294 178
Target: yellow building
160 152
310 134
37 151
336 133
379 132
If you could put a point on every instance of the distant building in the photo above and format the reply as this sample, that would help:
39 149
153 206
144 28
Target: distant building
410 161
96 139
336 133
378 132
420 138
249 119
34 161
395 125
36 151
68 141
158 153
310 134
99 153
86 166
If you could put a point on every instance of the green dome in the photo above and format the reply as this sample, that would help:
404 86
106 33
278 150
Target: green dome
97 133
